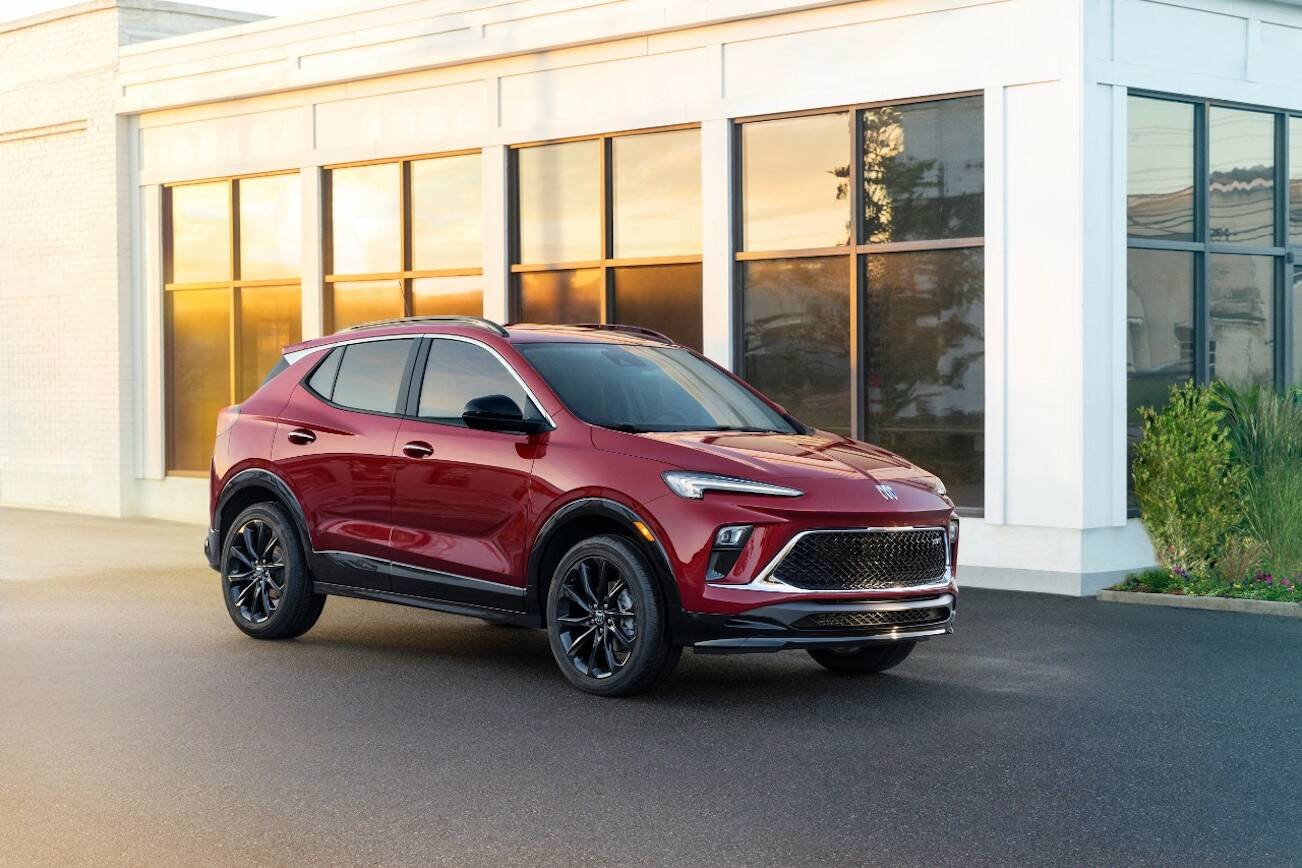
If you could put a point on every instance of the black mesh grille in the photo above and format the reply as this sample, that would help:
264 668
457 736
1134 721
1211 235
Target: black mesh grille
859 560
869 620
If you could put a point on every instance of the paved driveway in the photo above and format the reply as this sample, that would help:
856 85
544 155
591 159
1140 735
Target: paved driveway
137 726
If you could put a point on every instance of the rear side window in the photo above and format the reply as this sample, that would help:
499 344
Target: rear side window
370 375
456 373
279 366
322 380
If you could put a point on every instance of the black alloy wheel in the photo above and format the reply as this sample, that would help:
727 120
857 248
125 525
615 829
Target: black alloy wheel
596 617
256 583
265 580
606 620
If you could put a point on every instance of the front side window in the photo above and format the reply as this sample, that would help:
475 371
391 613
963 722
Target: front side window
456 373
370 375
232 250
644 389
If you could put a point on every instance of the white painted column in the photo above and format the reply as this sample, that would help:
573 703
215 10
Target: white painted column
496 255
996 321
313 303
1116 248
716 240
151 428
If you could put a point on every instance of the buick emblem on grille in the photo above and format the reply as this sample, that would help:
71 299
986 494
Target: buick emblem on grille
887 492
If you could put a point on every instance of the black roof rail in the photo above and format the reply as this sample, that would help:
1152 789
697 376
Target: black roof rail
476 321
631 329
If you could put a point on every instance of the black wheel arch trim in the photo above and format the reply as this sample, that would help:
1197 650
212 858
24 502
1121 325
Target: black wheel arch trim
605 507
249 478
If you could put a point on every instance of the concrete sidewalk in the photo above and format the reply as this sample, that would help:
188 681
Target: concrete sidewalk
137 726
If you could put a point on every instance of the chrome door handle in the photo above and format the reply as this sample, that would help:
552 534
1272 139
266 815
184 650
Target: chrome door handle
418 449
301 436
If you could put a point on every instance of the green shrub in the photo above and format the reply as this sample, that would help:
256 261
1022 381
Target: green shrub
1186 481
1265 434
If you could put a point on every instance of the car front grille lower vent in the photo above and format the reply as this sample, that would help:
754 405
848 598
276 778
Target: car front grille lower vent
873 620
866 560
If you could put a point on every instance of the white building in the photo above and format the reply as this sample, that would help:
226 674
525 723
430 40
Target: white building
974 231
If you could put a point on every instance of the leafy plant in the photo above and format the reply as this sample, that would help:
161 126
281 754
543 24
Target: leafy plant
1240 557
1186 480
1265 433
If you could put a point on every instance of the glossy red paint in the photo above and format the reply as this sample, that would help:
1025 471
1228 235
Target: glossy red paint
473 504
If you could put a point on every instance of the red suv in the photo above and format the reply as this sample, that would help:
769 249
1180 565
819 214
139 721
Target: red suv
622 492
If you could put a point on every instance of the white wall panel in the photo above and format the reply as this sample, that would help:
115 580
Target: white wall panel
420 119
1278 55
1181 38
193 149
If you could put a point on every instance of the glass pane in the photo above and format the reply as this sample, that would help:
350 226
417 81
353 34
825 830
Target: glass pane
447 213
924 171
269 320
1160 169
1159 332
446 296
1240 302
322 380
201 233
1295 180
1241 205
795 183
560 202
926 364
657 188
364 225
370 375
1297 326
271 228
198 373
797 336
456 373
358 301
560 296
666 298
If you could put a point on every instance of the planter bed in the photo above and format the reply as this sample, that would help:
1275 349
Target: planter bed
1216 604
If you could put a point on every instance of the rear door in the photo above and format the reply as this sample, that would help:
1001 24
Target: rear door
335 445
460 507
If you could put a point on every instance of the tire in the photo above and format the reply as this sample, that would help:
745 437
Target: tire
626 649
863 661
257 605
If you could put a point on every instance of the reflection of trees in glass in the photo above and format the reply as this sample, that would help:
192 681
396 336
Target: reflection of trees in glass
910 198
797 337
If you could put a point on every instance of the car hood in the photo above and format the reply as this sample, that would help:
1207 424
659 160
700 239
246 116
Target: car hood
770 457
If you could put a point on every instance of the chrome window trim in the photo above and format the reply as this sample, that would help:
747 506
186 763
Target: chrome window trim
764 580
298 354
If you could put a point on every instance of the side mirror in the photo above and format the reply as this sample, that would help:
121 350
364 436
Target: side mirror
498 413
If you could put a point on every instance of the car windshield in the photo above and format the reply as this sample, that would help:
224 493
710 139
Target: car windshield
643 389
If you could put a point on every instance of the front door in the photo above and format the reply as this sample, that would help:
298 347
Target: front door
460 508
334 443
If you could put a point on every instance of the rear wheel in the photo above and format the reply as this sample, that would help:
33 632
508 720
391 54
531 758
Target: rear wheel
265 582
862 661
606 622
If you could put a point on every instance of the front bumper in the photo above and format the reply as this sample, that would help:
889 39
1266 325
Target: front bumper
212 549
782 626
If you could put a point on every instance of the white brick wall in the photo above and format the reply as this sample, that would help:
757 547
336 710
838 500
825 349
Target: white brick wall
65 305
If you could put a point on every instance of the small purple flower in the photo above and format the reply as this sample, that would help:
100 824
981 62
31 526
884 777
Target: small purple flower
1181 572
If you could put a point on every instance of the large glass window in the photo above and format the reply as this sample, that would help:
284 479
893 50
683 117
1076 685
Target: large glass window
608 230
370 375
404 239
871 326
230 307
456 373
1219 249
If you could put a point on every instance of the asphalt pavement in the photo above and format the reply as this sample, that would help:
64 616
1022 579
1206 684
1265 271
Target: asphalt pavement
138 726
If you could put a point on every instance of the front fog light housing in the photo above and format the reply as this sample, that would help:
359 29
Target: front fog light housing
731 536
953 531
729 540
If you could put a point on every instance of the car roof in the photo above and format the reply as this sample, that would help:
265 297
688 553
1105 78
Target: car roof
516 333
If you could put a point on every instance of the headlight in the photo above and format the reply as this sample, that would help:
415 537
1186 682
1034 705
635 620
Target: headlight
941 489
953 531
693 486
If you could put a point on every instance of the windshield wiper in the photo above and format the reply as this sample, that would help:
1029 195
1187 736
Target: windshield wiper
626 428
740 429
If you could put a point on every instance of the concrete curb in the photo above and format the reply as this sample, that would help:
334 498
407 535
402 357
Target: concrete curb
1214 604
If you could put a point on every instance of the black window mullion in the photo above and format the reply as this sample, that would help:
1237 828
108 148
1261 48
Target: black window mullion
1283 321
1202 178
858 284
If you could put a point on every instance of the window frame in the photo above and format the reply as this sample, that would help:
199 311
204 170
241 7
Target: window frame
855 253
1284 255
411 408
607 263
406 273
233 286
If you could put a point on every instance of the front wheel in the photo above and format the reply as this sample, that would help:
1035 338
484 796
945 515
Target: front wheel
606 622
862 661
